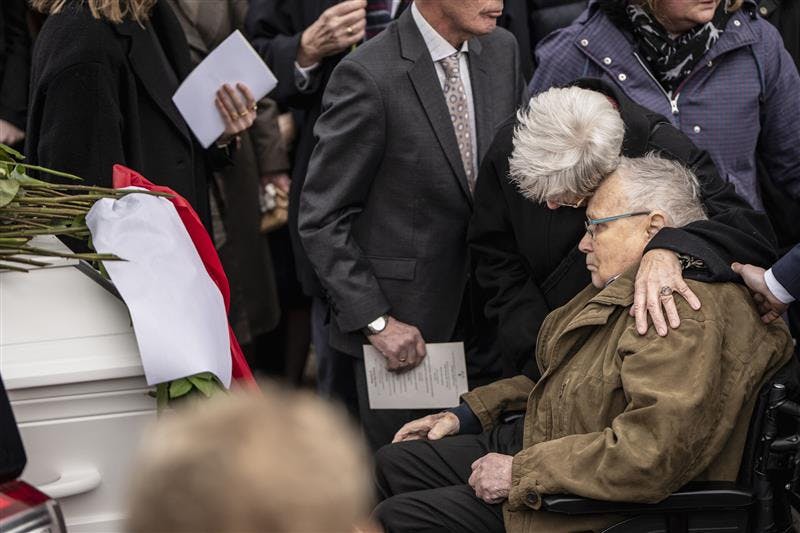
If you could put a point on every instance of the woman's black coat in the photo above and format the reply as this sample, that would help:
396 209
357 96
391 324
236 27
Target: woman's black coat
15 59
100 96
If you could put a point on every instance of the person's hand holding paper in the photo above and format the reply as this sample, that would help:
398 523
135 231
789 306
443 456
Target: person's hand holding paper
238 110
218 98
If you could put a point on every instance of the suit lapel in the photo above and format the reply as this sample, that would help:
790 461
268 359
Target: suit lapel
429 92
481 89
146 66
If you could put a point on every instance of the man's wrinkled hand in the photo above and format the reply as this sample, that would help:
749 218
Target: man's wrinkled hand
338 28
658 279
431 427
9 133
768 305
401 344
491 477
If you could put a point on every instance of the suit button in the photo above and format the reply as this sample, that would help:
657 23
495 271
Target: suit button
622 77
763 10
532 498
737 23
607 60
584 42
697 129
181 163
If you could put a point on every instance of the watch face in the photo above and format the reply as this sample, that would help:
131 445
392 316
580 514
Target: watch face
377 325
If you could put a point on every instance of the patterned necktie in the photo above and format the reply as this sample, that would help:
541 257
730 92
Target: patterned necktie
457 103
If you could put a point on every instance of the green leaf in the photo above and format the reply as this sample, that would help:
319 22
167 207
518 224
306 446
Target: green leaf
18 174
206 385
8 191
179 387
10 152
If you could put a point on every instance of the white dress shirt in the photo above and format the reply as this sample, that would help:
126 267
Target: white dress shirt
439 49
775 287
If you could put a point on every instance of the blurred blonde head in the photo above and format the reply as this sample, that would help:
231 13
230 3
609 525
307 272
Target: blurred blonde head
281 462
112 10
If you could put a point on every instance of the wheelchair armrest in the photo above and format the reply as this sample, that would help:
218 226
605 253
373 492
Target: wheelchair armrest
694 496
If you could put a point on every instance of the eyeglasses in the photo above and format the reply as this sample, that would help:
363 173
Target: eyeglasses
595 221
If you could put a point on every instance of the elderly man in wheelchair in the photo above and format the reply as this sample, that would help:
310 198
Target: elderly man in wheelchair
616 416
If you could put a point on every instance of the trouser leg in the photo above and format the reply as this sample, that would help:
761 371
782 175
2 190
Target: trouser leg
455 509
424 484
335 377
422 464
380 425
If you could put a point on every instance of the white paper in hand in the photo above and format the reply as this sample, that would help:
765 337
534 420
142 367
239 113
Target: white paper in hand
437 383
233 61
178 313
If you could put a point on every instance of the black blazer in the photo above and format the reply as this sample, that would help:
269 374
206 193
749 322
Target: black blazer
385 206
15 60
99 96
526 255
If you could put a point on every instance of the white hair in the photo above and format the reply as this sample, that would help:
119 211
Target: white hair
567 141
654 183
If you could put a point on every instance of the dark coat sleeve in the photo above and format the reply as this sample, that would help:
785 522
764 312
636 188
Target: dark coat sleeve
351 136
273 26
787 272
733 232
15 62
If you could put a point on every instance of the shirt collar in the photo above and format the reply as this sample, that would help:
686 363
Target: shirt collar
437 45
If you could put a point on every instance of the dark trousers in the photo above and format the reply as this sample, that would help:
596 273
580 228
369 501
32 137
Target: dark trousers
335 378
380 425
424 486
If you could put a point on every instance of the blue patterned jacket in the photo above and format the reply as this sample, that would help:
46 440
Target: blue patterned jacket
741 99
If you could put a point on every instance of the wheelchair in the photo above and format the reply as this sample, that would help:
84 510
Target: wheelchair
761 500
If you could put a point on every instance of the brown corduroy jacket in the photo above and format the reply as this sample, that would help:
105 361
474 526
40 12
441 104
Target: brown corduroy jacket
623 417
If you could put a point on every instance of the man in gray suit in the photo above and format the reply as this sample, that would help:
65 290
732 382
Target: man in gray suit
388 196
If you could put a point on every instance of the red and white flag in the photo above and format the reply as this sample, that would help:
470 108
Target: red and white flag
172 281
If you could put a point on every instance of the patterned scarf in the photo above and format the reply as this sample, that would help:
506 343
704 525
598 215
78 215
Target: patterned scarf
671 60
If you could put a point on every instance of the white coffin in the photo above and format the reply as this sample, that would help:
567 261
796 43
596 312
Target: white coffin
69 360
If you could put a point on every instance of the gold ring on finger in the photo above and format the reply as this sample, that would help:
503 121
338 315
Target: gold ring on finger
243 114
402 359
349 30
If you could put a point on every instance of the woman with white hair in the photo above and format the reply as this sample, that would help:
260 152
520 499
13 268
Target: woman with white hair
526 255
613 416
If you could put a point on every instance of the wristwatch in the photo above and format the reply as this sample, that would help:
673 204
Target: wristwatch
377 325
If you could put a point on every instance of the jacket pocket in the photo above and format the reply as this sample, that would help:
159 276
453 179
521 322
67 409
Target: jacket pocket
393 267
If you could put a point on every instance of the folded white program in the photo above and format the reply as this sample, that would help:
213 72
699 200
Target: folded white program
437 383
233 61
